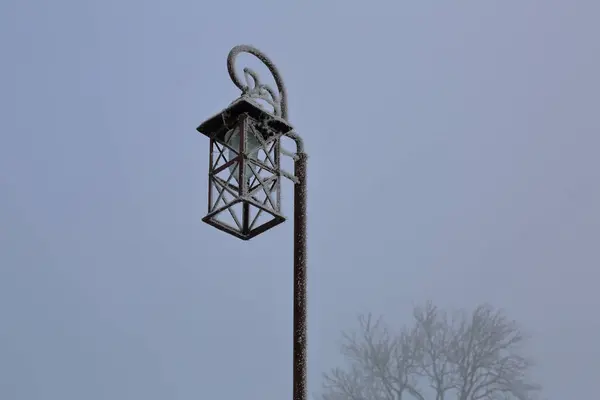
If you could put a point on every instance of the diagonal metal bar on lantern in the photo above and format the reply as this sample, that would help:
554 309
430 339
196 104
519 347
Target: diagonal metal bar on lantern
231 189
226 184
222 144
256 173
221 147
260 210
262 165
221 154
254 180
263 143
264 187
261 184
232 212
222 208
227 164
220 188
221 201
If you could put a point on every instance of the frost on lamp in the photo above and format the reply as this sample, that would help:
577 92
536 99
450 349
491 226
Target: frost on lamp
244 193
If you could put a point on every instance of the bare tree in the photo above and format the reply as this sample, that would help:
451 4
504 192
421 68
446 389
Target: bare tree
475 356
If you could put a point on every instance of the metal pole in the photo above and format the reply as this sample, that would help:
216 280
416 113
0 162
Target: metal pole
300 330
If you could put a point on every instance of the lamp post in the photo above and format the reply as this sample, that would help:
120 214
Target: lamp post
245 179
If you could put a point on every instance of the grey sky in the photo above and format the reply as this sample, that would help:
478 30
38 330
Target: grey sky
453 156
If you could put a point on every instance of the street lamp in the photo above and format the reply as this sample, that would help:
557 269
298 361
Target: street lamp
245 179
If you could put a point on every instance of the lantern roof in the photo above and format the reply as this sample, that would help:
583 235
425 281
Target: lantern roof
217 126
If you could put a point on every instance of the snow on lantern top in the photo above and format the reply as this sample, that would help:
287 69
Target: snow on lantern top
267 124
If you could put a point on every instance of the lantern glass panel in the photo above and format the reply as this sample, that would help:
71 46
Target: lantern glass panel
252 147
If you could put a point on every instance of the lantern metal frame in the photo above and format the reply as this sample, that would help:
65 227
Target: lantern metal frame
263 193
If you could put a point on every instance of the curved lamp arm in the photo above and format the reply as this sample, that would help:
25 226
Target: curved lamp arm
258 89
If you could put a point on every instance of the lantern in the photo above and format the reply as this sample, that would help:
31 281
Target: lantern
244 184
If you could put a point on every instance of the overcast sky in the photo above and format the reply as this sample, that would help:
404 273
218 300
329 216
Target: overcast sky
453 157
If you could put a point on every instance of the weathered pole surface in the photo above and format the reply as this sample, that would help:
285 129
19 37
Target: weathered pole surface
300 248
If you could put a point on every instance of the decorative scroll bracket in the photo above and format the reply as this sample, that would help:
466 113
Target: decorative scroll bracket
256 89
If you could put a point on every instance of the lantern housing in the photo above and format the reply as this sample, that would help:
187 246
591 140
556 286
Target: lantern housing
244 178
